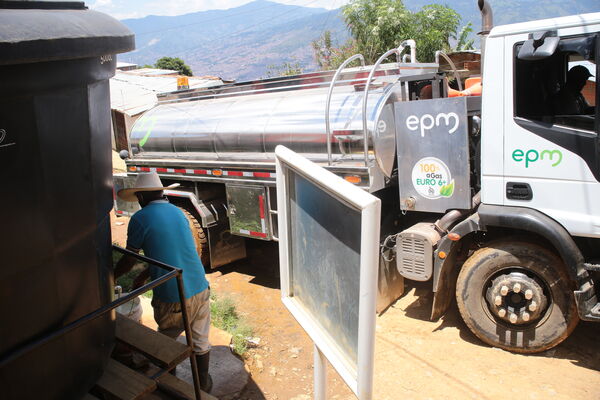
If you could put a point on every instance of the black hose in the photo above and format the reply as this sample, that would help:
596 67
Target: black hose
444 223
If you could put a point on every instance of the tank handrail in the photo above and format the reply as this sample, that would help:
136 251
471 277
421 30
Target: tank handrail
445 57
398 52
328 103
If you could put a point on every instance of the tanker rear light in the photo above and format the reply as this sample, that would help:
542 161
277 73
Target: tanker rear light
132 169
217 172
355 179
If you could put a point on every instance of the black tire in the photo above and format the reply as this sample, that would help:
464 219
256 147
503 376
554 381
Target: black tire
480 275
199 237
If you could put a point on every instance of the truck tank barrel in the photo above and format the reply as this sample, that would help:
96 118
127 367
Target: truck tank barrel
248 126
55 167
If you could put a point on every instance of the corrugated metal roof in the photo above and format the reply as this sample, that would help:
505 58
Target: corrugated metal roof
132 92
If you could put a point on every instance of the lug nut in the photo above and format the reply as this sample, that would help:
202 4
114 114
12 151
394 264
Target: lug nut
528 294
513 318
502 312
498 300
525 316
533 306
504 290
517 287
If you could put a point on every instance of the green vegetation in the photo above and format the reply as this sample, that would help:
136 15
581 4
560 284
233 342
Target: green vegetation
224 316
175 64
377 26
462 38
329 57
287 68
126 280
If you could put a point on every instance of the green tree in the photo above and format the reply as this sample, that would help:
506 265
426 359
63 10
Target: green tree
329 57
462 39
287 68
175 64
380 25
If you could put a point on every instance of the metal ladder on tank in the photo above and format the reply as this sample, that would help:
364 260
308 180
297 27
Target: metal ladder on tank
398 52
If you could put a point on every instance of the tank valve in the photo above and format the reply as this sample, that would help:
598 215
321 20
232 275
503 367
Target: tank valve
410 203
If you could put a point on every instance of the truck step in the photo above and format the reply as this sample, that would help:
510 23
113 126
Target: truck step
160 349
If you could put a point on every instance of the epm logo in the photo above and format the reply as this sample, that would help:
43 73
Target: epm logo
530 156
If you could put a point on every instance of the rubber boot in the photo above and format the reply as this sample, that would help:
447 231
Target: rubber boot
202 362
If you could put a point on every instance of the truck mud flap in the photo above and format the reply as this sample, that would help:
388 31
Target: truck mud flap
390 285
224 247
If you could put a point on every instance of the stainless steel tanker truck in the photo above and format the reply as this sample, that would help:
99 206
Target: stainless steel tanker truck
493 198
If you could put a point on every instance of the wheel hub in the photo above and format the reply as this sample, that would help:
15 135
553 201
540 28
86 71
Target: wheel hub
516 298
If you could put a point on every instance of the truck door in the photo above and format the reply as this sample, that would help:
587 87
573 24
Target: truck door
551 157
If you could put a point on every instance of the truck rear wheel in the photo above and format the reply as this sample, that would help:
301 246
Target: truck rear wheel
516 296
199 237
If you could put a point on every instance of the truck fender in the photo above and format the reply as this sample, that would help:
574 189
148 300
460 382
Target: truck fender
525 219
208 219
443 285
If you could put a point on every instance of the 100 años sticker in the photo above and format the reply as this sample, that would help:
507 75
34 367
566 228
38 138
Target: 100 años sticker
431 178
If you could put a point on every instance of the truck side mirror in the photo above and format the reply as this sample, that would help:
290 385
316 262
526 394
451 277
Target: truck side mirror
539 45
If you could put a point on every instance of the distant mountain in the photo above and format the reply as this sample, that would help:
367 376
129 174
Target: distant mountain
237 43
240 43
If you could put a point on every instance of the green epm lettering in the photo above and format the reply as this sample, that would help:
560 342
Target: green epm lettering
551 154
147 124
531 156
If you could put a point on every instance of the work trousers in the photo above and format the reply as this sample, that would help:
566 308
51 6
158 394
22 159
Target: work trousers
169 318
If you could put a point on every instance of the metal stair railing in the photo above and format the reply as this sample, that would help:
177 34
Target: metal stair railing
174 272
398 52
329 93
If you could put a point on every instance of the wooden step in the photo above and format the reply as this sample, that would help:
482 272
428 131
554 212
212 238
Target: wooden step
123 383
160 349
172 385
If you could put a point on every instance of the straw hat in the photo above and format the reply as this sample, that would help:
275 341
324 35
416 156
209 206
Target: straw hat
145 182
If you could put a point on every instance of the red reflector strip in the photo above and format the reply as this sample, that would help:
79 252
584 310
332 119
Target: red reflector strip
261 207
119 212
206 172
259 234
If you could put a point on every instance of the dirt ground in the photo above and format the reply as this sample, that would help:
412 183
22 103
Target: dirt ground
415 358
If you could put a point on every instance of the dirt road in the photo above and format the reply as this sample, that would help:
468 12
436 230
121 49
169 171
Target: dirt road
415 358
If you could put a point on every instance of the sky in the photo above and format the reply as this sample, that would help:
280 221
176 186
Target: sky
122 9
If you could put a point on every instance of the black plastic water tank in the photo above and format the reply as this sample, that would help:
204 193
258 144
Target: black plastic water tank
56 59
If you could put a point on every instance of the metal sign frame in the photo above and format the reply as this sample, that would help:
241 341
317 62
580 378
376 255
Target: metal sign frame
359 377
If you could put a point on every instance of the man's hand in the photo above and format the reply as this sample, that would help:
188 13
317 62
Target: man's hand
141 279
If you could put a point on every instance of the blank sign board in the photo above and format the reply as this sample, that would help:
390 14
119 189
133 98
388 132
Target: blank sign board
329 241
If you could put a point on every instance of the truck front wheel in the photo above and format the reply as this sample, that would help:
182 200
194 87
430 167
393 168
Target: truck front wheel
199 237
516 296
